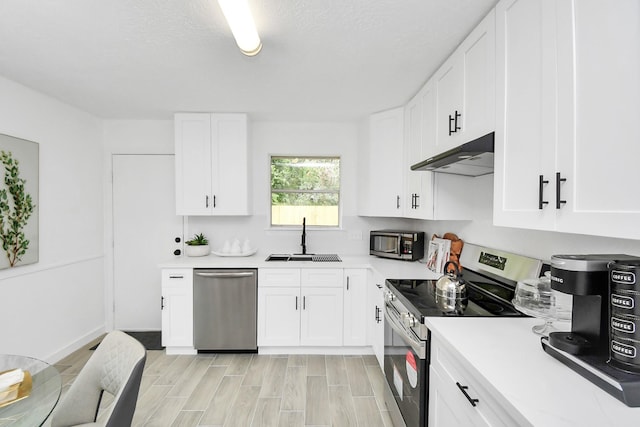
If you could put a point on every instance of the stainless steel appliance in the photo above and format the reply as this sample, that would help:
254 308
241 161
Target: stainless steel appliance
490 278
397 244
474 158
225 309
602 345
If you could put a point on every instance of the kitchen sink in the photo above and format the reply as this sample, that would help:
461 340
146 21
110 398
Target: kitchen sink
304 257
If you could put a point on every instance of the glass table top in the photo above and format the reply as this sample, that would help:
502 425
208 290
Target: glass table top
34 409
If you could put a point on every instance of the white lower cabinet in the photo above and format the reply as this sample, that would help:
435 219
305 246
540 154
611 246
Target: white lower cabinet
375 315
300 307
355 307
459 397
177 309
320 317
278 316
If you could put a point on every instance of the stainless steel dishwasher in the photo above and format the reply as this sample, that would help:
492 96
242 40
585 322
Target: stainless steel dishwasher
225 309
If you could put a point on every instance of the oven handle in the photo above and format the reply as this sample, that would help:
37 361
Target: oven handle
416 343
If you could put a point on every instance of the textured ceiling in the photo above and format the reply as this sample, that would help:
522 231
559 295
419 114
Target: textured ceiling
146 59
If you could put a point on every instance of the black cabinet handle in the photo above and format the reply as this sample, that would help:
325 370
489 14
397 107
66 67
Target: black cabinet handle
541 184
177 252
463 389
347 282
161 303
214 201
397 202
304 303
559 201
416 205
206 201
296 303
378 319
379 285
177 239
454 120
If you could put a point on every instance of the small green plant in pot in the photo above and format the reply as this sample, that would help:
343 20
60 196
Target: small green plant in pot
198 246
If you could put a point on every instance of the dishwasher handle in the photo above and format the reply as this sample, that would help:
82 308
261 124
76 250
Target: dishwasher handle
227 275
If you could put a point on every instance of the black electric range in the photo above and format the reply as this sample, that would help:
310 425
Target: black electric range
491 276
486 297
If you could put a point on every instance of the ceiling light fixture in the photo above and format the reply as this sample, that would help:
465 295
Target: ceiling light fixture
240 21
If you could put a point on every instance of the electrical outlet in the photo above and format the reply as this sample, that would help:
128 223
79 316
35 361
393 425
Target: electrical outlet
355 235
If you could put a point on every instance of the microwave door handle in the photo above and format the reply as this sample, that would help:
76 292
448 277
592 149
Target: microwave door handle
399 248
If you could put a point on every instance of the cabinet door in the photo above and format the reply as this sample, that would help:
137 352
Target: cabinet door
375 316
418 194
478 58
385 184
279 316
321 316
525 136
447 406
230 164
598 112
193 164
177 308
355 307
450 98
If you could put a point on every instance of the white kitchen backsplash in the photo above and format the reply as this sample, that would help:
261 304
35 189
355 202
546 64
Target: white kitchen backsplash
351 239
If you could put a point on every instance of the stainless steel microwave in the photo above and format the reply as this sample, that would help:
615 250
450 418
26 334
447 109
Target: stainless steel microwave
397 244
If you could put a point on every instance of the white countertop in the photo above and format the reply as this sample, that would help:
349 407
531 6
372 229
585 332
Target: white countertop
546 392
388 268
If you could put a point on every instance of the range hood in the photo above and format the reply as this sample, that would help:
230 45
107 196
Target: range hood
475 158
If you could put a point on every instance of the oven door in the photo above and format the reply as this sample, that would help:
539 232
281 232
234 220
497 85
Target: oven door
406 368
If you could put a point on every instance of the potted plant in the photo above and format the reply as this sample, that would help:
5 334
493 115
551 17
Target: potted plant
198 246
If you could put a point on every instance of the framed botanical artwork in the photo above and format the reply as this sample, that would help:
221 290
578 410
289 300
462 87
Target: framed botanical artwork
19 165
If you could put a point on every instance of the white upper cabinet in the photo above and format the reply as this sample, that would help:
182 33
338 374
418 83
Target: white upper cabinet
598 113
382 184
418 195
212 173
566 134
465 90
525 120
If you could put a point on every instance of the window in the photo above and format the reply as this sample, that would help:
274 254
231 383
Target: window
305 187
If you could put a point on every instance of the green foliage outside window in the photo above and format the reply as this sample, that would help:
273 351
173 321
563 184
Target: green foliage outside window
305 187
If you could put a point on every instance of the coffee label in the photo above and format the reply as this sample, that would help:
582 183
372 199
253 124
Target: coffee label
622 301
623 325
623 349
623 277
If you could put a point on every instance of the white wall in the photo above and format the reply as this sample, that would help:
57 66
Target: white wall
50 308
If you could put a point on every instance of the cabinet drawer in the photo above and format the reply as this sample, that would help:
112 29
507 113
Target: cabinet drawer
490 406
281 277
177 277
327 277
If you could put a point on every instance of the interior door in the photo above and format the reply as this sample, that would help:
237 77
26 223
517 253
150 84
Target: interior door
145 227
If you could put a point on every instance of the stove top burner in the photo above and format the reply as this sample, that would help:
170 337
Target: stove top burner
486 297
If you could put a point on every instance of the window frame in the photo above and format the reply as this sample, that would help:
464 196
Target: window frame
273 226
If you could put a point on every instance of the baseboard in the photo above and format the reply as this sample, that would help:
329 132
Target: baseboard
76 345
350 351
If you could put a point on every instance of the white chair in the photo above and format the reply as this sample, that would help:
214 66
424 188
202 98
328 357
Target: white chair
115 367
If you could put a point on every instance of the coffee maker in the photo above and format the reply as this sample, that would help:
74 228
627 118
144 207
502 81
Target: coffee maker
587 347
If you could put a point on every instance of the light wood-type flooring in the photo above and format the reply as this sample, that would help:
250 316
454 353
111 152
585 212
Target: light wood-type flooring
253 390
